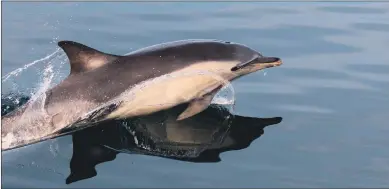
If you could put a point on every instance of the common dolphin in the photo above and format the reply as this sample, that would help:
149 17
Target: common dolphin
145 81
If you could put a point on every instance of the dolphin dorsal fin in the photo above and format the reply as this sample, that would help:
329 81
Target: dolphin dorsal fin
83 58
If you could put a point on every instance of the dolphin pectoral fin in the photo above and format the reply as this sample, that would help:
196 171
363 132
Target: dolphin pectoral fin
195 107
83 58
198 105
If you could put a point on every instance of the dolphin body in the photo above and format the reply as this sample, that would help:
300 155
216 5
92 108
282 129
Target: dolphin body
145 81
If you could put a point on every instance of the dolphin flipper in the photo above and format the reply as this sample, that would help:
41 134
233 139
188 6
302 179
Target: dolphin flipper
199 104
195 107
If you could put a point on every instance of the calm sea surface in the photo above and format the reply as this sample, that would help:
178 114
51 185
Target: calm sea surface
332 90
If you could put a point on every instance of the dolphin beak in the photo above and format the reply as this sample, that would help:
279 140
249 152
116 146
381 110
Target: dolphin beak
267 62
260 62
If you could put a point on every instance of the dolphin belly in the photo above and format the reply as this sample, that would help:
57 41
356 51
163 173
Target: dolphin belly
171 89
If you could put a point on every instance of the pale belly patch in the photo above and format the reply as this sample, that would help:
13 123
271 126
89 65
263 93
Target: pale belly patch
170 90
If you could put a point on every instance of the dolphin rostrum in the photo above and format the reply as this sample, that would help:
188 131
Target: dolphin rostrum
142 82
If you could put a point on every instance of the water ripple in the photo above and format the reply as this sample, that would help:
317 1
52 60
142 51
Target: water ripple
353 10
304 108
380 27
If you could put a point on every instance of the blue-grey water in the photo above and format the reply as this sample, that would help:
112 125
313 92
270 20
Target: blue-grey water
332 90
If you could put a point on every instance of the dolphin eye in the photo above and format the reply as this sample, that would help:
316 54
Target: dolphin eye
234 68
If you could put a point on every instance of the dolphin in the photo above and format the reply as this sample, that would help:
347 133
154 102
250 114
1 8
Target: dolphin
104 86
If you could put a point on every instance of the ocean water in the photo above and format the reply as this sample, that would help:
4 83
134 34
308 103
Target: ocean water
331 92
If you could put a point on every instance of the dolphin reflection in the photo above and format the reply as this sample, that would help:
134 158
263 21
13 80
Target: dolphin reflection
199 139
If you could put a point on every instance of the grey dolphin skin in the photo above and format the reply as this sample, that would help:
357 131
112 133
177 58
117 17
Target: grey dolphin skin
145 81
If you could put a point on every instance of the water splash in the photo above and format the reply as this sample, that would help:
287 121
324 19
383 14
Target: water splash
19 70
29 125
48 77
39 97
54 148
